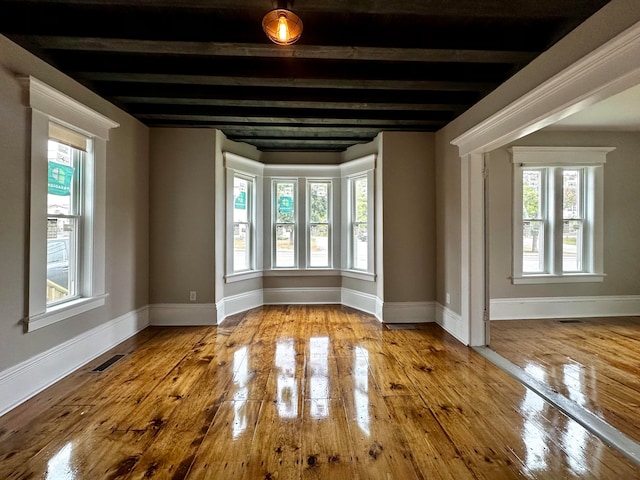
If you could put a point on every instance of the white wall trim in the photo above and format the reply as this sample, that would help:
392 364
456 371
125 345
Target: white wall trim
302 295
606 71
564 307
28 378
451 322
409 312
364 302
239 303
182 314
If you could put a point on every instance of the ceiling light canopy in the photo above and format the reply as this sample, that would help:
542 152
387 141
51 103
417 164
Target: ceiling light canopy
281 25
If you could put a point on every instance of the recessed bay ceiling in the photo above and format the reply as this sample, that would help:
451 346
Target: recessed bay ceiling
360 67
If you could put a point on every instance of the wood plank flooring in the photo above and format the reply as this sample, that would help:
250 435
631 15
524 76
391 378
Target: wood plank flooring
594 362
297 392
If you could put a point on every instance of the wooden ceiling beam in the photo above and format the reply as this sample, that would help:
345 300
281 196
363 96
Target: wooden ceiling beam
418 107
441 8
285 121
315 52
288 82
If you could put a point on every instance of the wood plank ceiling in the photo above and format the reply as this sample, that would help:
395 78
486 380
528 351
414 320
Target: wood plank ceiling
361 66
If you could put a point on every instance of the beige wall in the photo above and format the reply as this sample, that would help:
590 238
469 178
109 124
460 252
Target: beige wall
126 210
182 199
611 20
409 216
622 220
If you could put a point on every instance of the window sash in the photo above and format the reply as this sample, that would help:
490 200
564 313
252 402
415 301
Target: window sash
242 238
319 224
285 223
359 223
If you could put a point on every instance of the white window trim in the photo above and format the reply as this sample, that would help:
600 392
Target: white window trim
330 221
594 159
299 234
361 167
48 104
249 169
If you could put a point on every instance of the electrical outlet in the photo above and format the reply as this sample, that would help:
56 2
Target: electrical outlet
192 296
448 298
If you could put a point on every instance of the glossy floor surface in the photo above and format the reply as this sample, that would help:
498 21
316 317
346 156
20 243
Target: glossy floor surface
292 392
595 362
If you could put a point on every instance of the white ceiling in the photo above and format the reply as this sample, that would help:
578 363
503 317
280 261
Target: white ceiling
619 112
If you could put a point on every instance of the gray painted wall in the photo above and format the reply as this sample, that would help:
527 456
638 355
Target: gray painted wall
127 206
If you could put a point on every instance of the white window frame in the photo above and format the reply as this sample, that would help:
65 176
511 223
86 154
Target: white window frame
298 191
551 161
251 170
309 224
49 105
360 168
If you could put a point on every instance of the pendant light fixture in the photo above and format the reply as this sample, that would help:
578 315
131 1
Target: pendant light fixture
281 25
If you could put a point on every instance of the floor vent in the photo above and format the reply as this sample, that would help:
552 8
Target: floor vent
107 364
570 321
400 326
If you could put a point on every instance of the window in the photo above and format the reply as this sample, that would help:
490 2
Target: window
285 224
359 225
319 225
243 188
558 201
65 187
67 211
243 217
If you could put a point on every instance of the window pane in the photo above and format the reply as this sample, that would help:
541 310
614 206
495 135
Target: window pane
241 200
531 194
285 246
533 246
360 246
62 179
241 247
319 202
285 207
61 259
360 200
319 255
571 205
572 246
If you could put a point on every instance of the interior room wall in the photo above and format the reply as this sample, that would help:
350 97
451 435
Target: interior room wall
127 206
409 216
611 20
622 221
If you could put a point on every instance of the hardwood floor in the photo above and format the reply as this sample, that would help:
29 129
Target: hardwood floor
290 392
593 361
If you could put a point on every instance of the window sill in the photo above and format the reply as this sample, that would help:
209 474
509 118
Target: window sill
308 272
63 311
241 276
567 278
366 276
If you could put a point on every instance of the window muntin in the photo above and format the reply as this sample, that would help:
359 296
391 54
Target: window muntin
319 223
243 188
359 223
64 221
285 251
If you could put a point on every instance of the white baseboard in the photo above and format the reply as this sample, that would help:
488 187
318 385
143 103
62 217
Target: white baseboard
302 295
239 303
408 312
364 302
23 381
564 307
451 322
182 314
